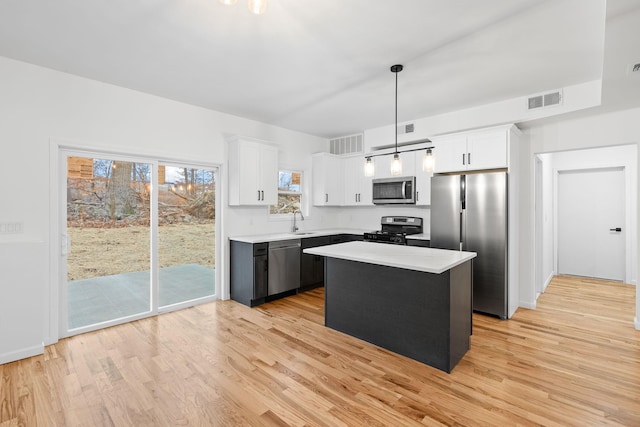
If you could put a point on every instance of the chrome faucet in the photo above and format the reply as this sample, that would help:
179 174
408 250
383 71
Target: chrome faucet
294 227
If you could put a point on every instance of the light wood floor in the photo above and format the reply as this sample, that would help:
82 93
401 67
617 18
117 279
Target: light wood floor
573 361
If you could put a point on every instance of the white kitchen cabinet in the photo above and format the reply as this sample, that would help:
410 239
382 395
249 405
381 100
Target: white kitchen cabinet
357 186
423 181
253 172
383 165
486 149
327 180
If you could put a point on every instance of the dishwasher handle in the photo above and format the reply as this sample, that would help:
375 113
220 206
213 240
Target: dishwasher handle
284 244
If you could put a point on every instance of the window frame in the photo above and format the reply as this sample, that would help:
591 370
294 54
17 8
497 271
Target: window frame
303 194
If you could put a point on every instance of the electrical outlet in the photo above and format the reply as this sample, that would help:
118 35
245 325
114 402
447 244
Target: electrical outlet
11 228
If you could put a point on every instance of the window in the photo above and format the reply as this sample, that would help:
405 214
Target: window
289 193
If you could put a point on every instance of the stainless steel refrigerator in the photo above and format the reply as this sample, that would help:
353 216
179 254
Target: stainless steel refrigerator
469 212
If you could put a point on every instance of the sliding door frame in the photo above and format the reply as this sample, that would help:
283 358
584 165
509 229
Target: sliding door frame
55 300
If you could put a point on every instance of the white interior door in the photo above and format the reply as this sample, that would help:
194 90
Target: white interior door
591 223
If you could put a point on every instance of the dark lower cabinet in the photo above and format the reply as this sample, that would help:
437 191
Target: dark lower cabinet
312 266
341 238
419 242
249 272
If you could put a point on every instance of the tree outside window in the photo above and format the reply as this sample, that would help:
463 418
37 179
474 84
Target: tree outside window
289 193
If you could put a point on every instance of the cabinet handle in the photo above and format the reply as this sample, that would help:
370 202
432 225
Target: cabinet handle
326 197
417 196
258 195
468 158
262 192
463 163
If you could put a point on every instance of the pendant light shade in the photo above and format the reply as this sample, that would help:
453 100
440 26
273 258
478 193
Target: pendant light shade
369 167
396 164
428 162
257 6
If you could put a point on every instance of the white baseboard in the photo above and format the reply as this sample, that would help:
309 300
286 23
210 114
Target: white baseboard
528 304
636 321
12 356
546 282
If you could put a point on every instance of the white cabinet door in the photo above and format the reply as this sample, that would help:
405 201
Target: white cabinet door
487 150
472 151
423 181
253 173
357 187
268 181
450 153
247 172
327 180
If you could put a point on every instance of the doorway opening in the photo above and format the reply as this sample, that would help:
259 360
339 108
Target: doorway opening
571 190
139 238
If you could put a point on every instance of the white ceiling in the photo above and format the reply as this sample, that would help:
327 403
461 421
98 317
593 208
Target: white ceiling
322 67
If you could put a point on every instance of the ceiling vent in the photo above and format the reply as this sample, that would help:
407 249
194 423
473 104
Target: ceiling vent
347 144
403 129
544 100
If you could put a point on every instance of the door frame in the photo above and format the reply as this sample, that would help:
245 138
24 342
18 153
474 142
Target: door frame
626 213
55 296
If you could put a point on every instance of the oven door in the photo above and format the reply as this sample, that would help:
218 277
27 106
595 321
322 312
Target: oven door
394 190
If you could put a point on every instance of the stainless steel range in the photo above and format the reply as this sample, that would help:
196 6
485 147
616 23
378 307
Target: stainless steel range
395 229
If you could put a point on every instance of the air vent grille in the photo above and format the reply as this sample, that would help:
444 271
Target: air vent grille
408 128
347 144
545 100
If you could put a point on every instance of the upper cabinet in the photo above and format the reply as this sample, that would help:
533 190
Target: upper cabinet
423 181
327 180
477 150
253 172
358 190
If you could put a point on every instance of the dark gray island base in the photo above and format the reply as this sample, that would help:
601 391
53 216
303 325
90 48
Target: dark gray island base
421 315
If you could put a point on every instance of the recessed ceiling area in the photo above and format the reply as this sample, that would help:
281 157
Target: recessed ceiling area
319 67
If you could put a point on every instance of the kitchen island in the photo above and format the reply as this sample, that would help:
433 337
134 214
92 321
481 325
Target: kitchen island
413 301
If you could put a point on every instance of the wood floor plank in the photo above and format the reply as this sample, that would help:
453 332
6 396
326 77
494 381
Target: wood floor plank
574 361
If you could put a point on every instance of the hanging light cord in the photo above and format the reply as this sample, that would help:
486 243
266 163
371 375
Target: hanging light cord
396 72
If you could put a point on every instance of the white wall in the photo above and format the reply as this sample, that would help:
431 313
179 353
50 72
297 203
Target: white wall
548 252
40 107
599 130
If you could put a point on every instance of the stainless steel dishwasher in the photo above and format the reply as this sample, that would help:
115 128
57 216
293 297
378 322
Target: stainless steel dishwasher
284 266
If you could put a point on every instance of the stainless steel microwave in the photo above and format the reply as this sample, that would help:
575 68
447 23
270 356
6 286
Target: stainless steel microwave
396 190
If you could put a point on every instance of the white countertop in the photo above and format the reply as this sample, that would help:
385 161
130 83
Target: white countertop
302 234
429 260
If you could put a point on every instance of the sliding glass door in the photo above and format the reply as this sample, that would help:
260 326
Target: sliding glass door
139 239
186 234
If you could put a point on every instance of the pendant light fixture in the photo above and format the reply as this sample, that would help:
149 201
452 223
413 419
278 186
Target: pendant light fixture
255 6
369 167
428 162
396 163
